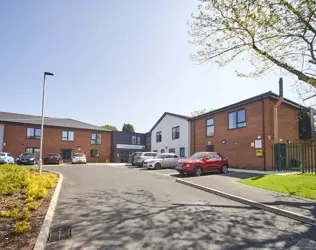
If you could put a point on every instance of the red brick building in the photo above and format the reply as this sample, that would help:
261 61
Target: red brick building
21 133
240 129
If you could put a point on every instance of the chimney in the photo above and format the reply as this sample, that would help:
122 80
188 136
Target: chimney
280 87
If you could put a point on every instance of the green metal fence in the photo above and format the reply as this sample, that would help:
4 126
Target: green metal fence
295 157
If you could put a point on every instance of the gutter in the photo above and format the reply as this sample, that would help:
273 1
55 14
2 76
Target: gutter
275 112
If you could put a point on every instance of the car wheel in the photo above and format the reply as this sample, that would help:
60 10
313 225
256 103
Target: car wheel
224 169
181 173
133 164
157 166
198 171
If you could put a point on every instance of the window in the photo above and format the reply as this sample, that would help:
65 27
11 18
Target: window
175 133
210 127
95 153
68 136
156 151
148 154
162 151
148 140
9 155
33 133
33 150
159 136
174 157
133 139
182 152
138 140
172 150
237 119
95 139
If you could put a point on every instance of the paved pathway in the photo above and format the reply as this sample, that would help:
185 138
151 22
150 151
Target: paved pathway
119 207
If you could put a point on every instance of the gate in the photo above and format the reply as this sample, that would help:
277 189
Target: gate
295 157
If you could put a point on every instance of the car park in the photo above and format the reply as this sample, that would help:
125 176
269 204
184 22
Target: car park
27 159
6 158
53 159
142 156
165 160
78 158
202 162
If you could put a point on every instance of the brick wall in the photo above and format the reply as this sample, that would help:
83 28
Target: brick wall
16 141
237 148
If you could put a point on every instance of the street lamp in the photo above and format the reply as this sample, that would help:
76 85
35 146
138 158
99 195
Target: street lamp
42 123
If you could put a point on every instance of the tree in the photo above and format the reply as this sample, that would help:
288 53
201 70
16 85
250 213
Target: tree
110 127
200 112
128 128
271 33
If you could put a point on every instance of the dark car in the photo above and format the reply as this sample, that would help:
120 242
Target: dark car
53 159
202 162
27 159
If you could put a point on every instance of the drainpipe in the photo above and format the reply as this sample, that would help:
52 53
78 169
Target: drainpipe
263 136
275 112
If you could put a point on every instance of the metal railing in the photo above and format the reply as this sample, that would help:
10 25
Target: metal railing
295 157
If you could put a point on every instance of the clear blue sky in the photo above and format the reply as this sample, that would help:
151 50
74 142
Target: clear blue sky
113 61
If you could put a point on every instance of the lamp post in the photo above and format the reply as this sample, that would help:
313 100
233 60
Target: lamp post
42 123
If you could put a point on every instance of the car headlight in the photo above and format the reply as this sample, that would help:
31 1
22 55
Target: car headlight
32 159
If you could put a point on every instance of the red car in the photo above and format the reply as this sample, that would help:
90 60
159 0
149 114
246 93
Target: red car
202 162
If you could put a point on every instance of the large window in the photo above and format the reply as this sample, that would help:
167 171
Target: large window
33 150
68 136
210 127
95 139
175 133
159 136
237 119
33 133
133 139
138 140
162 151
182 152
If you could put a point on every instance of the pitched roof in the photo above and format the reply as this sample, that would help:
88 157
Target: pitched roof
265 95
7 117
172 114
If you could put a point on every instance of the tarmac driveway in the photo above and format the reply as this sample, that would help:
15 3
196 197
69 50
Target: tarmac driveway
120 207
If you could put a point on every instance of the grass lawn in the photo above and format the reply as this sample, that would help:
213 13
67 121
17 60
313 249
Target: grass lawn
303 185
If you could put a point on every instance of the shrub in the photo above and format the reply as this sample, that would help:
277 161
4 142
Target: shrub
22 226
10 214
24 215
11 178
32 205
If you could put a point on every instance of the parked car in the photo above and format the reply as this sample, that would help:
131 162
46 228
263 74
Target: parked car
165 160
202 162
139 158
53 159
6 158
131 157
27 159
78 158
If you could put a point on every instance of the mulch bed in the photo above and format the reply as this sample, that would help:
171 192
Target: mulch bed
9 239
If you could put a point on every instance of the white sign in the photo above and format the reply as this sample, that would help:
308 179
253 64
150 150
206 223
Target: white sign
128 146
258 144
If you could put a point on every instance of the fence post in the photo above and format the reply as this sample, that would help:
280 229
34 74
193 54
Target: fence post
303 157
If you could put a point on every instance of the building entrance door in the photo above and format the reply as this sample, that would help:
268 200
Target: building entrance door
66 153
124 156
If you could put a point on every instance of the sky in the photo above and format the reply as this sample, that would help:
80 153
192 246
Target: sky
113 62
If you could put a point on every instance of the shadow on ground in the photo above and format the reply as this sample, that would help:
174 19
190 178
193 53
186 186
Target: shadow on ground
138 220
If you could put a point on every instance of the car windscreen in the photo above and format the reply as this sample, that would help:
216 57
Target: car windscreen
197 156
79 155
159 156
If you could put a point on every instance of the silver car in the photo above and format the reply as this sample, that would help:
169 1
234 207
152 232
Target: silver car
142 156
165 160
